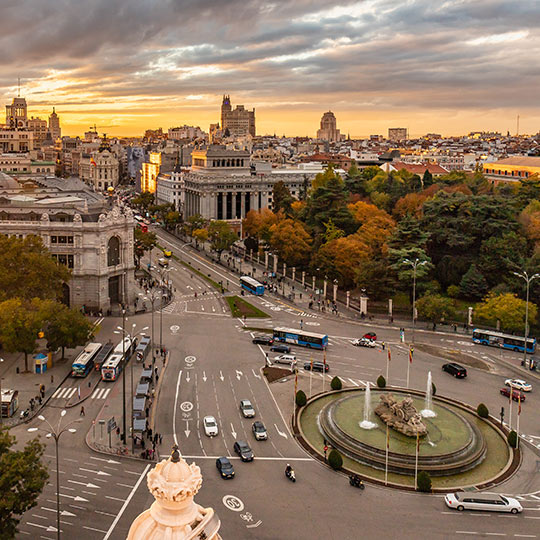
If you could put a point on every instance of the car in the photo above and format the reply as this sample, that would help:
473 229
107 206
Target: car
317 366
363 342
519 384
493 502
246 408
243 450
287 359
167 253
459 372
259 431
163 262
263 340
517 395
370 335
210 426
280 348
225 468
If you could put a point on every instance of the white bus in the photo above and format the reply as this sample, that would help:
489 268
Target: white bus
112 367
83 364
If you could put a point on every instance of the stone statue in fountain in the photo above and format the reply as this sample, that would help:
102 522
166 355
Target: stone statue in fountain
401 416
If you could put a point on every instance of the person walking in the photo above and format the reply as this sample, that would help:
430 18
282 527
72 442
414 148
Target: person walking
160 438
82 411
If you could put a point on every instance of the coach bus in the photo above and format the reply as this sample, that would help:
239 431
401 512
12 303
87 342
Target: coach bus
506 341
112 367
83 364
299 337
252 285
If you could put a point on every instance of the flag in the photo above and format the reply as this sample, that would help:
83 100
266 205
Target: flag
93 162
410 354
519 404
324 360
389 355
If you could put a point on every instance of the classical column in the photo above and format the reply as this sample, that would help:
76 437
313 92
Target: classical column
313 282
325 284
348 298
233 206
242 205
303 278
293 273
335 290
275 257
266 260
284 270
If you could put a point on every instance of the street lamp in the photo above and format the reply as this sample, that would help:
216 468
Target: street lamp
528 279
162 274
1 400
55 434
414 265
130 336
152 296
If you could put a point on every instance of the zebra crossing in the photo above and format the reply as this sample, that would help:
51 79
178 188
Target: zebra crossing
69 391
346 381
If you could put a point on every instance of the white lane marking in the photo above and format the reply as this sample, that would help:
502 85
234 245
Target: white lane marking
119 515
96 392
354 382
91 529
175 406
280 432
106 393
56 392
269 458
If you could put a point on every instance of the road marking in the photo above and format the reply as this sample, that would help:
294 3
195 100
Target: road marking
254 525
125 485
221 376
280 432
494 534
204 378
256 374
265 458
119 515
114 498
233 433
99 473
466 532
50 528
104 513
88 485
73 390
354 382
96 392
187 431
106 393
174 410
238 374
112 461
92 529
233 503
525 535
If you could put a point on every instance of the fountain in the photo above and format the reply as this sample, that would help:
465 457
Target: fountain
428 411
366 422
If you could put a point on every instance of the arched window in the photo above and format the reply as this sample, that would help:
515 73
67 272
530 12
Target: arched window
113 251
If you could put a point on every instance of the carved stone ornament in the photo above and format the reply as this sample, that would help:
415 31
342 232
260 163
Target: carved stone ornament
174 483
45 217
102 218
116 214
77 218
401 416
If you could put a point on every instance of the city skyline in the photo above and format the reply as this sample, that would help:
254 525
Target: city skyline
127 67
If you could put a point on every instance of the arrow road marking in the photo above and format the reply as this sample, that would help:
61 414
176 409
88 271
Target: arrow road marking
233 433
50 528
204 376
254 525
187 431
256 374
99 473
106 460
187 377
280 432
91 486
221 376
75 499
238 374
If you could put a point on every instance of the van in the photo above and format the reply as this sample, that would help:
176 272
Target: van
163 262
493 502
286 359
459 372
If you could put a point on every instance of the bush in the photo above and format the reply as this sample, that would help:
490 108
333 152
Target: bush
301 398
335 460
381 381
336 383
423 482
433 389
482 411
512 439
452 291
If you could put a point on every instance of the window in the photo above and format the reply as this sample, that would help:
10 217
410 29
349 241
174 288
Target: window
66 260
113 251
54 239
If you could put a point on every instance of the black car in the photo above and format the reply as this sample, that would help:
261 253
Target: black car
243 450
224 466
459 372
263 340
259 431
317 366
280 348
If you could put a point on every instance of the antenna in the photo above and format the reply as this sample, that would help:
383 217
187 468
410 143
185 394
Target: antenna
517 127
19 87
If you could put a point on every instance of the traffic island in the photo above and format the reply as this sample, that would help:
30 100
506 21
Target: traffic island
241 308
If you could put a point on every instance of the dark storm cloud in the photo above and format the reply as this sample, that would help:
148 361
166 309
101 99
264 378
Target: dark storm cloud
460 53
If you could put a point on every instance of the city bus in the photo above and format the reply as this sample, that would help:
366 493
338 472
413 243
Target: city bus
506 341
112 367
300 337
252 285
83 364
139 220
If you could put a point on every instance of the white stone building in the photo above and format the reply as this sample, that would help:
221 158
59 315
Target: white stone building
100 169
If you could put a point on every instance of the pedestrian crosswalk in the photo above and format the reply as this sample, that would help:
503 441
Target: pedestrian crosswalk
70 391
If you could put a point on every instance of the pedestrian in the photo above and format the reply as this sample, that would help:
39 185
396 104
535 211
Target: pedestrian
82 411
301 324
143 444
160 438
383 345
52 379
118 431
148 412
149 433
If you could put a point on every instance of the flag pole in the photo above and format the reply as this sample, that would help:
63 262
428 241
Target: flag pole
386 459
416 462
387 363
510 417
518 415
310 373
324 371
295 388
409 364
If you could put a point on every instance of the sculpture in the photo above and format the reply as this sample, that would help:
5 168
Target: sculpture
401 416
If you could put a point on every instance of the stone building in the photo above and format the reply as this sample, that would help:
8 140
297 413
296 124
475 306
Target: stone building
100 169
81 230
40 130
328 131
54 126
397 134
237 122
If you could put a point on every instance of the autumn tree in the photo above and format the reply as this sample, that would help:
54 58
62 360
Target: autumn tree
506 308
193 223
144 241
435 308
221 236
282 198
172 218
322 179
200 235
290 240
257 224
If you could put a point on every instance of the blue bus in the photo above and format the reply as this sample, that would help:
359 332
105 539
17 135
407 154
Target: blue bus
299 337
252 285
506 341
85 361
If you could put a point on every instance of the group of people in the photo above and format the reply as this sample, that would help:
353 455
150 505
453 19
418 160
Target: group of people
154 438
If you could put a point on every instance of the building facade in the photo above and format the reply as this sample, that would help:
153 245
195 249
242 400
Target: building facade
170 189
397 134
237 122
328 131
150 171
40 130
512 169
54 126
100 169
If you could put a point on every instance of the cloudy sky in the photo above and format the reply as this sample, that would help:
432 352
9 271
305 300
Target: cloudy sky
126 65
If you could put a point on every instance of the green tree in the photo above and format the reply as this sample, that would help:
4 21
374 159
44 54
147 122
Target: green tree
27 269
144 241
435 308
506 308
172 219
335 459
424 482
221 236
200 235
482 411
281 198
22 478
143 201
427 179
512 439
473 284
301 398
381 381
193 223
335 383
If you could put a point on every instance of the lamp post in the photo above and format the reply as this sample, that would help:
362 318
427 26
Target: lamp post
130 336
528 280
56 434
162 274
152 296
1 400
414 265
123 377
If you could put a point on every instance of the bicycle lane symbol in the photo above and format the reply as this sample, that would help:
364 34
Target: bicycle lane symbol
234 504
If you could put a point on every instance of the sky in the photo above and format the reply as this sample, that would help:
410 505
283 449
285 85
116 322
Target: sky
446 67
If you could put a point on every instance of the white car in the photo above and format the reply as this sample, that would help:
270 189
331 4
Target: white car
519 384
494 502
286 359
363 342
246 408
210 426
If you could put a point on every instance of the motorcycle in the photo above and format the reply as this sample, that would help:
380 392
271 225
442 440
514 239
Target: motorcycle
356 482
290 475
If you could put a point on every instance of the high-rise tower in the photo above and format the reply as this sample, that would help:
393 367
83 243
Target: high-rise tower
226 107
54 126
16 113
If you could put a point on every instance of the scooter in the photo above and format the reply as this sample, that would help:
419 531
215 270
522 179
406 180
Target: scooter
290 475
356 482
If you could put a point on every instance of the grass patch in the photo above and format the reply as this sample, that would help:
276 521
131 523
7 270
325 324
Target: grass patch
257 329
274 374
241 308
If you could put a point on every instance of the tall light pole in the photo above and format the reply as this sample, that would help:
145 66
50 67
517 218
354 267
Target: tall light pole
123 376
528 280
1 401
55 434
415 264
152 296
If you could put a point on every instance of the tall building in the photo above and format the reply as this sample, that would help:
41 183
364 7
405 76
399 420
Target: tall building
150 171
16 114
40 130
328 131
397 134
100 168
54 126
237 122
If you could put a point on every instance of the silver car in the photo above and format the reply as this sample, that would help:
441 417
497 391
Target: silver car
494 502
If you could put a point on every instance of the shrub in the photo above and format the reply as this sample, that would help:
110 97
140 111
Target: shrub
335 460
301 398
482 411
452 291
381 381
336 383
512 439
423 482
433 389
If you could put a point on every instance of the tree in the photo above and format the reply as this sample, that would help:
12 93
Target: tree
482 411
221 236
424 482
427 179
143 201
473 284
290 240
322 179
193 223
200 235
64 327
336 384
258 223
172 219
381 381
335 460
22 478
42 276
512 439
435 308
144 241
282 198
301 398
20 323
506 308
